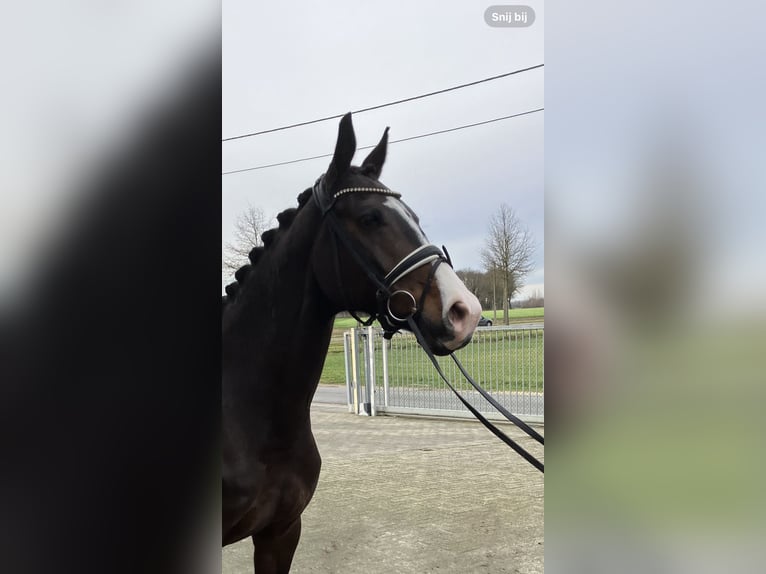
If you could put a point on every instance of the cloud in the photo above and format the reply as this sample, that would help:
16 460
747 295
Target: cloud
453 181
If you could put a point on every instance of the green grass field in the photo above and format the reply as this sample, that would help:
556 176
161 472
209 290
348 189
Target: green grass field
500 360
517 315
532 315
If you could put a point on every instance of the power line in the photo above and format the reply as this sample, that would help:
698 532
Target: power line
384 105
391 142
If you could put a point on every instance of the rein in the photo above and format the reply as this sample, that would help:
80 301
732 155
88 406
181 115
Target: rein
482 419
424 255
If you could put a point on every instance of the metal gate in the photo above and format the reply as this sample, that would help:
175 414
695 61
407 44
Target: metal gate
396 376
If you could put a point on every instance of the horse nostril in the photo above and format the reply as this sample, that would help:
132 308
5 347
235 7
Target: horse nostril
458 312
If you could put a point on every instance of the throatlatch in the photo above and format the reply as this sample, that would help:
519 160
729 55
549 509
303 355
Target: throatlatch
393 322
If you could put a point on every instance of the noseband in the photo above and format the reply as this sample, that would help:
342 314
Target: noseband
391 322
423 255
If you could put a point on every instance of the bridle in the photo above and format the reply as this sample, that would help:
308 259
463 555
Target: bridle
391 323
417 258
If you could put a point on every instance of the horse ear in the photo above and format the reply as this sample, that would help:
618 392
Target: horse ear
373 163
344 150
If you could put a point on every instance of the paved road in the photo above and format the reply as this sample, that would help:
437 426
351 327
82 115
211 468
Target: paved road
331 394
415 496
518 403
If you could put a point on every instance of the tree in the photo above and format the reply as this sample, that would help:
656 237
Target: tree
471 279
247 234
536 299
507 254
479 283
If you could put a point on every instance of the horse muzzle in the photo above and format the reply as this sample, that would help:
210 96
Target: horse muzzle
461 309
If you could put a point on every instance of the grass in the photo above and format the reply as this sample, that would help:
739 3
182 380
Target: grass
517 315
498 360
531 315
345 323
334 372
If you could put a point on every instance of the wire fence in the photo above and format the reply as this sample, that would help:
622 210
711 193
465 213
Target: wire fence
397 376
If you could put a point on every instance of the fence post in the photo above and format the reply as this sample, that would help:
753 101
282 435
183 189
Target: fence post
361 371
347 365
365 400
384 349
354 371
371 371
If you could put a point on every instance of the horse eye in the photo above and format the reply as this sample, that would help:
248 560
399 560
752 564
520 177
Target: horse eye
371 219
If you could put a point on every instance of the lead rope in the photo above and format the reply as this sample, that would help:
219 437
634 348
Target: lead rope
338 233
492 428
511 417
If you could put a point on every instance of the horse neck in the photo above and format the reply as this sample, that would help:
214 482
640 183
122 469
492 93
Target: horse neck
277 332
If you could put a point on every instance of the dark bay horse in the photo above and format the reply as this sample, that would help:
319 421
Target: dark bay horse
351 244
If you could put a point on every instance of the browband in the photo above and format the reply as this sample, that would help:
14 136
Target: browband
326 202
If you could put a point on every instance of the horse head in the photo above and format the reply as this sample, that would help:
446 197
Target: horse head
371 254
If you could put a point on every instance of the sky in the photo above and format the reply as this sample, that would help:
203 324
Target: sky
67 108
343 56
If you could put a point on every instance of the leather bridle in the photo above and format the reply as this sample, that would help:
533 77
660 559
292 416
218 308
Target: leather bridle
417 258
391 323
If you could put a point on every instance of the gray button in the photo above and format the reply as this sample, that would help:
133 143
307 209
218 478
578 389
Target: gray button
515 16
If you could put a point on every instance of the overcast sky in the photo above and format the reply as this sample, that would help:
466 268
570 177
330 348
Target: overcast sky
341 56
78 82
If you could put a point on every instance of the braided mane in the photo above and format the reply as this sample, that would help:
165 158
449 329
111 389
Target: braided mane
285 219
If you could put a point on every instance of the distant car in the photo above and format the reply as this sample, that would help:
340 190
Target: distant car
484 322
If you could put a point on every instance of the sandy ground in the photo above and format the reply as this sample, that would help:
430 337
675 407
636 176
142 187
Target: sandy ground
406 495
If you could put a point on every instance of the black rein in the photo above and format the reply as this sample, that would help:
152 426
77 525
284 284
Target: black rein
391 324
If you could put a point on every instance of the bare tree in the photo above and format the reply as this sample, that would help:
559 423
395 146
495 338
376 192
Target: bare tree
471 279
507 254
479 283
247 234
536 299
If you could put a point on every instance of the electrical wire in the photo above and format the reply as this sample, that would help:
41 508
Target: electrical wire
377 107
257 167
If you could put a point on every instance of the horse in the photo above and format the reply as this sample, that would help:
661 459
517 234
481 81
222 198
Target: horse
351 244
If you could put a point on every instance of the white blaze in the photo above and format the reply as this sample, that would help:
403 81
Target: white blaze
461 308
398 207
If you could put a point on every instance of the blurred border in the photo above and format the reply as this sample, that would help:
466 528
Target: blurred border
656 295
110 307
